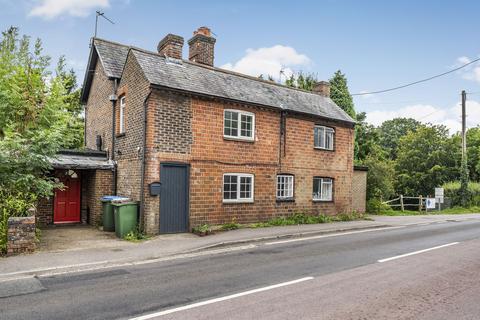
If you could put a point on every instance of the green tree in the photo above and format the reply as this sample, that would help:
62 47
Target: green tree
392 130
367 140
426 159
35 121
340 94
301 80
380 178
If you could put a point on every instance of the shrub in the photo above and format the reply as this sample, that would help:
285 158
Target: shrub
136 236
452 191
202 230
376 206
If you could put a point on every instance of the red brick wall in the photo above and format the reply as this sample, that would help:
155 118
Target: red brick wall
98 111
44 214
98 183
185 129
171 116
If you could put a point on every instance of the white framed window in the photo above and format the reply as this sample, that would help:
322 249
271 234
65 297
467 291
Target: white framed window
238 187
121 118
238 125
323 137
284 186
322 189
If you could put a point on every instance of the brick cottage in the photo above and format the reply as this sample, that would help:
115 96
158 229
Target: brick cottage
197 144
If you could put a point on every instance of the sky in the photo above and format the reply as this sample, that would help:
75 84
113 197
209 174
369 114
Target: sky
377 44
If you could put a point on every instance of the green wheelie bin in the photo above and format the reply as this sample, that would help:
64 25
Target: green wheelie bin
125 216
107 212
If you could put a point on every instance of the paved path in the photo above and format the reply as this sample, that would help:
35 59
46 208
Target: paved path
340 273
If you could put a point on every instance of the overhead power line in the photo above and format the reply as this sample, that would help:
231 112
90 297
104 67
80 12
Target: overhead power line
416 82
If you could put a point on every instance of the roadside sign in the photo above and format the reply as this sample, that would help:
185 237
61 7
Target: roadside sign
439 195
430 203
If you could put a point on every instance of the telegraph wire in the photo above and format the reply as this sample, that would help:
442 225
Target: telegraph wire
417 82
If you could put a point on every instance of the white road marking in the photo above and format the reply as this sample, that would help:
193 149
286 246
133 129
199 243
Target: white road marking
417 252
229 297
331 235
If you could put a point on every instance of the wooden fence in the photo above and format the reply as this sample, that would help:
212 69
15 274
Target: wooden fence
401 202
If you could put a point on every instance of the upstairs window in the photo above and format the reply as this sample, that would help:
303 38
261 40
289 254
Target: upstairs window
284 187
237 187
121 117
238 125
322 189
323 137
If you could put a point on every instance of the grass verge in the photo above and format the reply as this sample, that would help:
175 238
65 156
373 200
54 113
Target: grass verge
453 210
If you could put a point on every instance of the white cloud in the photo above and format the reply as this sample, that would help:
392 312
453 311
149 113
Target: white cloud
269 61
450 117
49 9
471 72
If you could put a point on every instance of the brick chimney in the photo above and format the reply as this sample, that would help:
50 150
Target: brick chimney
171 46
202 46
322 88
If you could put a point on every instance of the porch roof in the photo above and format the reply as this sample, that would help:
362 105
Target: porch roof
81 159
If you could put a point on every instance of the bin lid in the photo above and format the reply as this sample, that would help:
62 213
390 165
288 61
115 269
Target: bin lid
111 198
128 202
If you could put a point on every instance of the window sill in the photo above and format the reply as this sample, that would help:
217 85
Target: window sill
285 199
318 200
119 135
324 149
237 201
251 140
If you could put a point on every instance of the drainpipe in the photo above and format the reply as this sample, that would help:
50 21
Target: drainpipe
113 97
281 136
144 148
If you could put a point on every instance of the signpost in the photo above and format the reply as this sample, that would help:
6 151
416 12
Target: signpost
439 197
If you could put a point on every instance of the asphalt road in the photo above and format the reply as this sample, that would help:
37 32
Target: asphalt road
339 277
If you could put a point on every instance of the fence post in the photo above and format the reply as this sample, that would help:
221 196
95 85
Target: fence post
401 202
420 203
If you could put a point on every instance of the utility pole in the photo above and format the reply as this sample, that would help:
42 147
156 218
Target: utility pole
464 126
464 194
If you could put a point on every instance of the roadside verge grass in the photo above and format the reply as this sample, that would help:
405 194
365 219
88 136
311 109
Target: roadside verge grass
453 210
295 219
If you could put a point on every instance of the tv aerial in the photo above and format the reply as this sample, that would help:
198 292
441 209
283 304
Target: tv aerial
101 14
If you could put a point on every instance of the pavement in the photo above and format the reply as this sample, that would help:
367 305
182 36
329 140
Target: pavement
91 249
414 271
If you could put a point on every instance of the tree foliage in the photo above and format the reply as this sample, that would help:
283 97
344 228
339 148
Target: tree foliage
426 159
340 95
38 110
393 130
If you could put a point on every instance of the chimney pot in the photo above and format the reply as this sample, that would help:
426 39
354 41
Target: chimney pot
201 46
322 88
171 46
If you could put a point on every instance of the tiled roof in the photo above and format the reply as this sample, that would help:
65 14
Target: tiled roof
113 57
192 77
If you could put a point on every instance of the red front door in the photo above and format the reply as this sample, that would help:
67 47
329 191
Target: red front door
67 201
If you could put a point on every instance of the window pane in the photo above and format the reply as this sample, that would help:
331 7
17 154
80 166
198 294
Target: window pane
230 187
317 188
329 140
327 189
230 125
245 187
246 125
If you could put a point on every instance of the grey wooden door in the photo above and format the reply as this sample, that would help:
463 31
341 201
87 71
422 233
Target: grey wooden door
174 197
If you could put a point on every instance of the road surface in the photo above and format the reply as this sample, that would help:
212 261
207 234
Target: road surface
413 272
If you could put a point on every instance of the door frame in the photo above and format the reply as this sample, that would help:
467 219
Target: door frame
79 178
187 192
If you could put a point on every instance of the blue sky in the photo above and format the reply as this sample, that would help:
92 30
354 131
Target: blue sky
378 44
